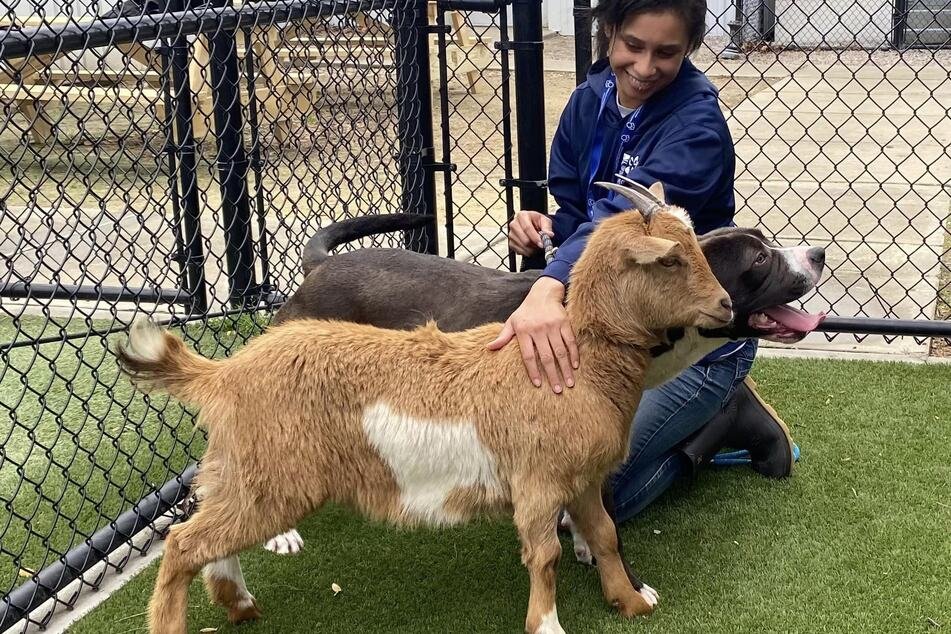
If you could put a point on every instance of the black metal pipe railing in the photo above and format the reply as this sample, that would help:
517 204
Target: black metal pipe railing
44 585
90 292
888 327
46 39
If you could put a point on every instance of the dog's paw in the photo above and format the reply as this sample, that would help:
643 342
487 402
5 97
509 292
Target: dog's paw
582 550
289 543
650 595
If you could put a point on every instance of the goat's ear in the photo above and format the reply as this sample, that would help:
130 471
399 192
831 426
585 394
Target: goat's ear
648 250
658 190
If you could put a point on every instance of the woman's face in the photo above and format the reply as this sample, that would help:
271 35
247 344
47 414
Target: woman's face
645 54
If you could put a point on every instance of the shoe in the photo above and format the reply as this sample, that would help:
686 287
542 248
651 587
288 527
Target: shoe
758 429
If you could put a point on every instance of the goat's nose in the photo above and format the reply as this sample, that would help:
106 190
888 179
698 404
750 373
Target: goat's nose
727 303
817 255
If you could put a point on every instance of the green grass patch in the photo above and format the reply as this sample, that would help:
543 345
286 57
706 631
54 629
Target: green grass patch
77 445
859 540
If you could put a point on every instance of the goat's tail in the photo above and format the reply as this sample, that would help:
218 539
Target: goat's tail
156 360
333 235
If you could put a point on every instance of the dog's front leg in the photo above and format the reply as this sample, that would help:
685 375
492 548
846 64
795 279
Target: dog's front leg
289 543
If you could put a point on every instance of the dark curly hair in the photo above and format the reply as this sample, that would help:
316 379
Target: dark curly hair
613 13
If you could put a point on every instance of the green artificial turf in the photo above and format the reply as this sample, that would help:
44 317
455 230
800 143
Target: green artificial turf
77 445
859 540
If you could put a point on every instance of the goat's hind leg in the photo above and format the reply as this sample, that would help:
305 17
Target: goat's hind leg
598 530
214 535
225 584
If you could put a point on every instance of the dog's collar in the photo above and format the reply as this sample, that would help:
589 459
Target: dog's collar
673 336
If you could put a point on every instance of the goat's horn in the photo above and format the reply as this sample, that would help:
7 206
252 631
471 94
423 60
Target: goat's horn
647 205
633 184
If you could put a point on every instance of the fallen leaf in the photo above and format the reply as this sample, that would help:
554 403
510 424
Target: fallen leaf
337 589
736 542
656 531
207 630
26 572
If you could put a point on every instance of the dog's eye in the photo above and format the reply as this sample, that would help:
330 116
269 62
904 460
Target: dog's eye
669 261
761 258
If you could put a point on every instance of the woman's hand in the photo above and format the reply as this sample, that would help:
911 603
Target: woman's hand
525 232
541 326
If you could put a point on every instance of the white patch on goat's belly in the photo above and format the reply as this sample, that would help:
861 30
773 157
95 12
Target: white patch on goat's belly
429 459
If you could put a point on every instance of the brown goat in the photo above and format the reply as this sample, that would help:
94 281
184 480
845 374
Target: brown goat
424 427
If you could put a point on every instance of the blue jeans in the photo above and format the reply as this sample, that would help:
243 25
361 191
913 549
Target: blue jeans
667 416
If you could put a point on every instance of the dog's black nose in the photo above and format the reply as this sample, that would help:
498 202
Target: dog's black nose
817 255
727 303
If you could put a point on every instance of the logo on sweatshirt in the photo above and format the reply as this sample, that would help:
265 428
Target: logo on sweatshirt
629 163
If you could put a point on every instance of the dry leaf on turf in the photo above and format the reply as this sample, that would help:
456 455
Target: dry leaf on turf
337 589
208 630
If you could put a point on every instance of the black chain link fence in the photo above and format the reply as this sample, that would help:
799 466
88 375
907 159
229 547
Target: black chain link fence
170 158
174 157
840 116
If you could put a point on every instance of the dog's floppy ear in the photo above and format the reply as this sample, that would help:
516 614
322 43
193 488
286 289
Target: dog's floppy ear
650 250
658 190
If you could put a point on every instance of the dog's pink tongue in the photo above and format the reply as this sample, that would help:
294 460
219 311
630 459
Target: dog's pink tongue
795 319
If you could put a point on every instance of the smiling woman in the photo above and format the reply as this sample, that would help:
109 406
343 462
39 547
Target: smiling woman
645 114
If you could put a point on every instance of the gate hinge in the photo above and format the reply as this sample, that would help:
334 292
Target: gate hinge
522 182
514 45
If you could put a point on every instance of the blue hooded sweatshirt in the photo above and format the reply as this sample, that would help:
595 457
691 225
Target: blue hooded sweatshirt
681 139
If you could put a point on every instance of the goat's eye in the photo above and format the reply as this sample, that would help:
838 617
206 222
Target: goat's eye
760 259
669 261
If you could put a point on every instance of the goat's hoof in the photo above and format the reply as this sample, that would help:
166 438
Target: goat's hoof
289 543
245 610
638 604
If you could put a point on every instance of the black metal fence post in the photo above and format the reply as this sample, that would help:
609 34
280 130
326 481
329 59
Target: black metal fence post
415 119
530 111
183 140
233 166
582 15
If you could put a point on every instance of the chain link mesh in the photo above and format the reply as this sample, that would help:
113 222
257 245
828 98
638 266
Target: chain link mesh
182 176
839 113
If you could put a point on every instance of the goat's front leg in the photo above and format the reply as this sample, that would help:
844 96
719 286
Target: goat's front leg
541 552
598 530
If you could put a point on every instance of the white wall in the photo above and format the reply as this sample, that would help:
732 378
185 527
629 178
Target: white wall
833 23
719 14
559 16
